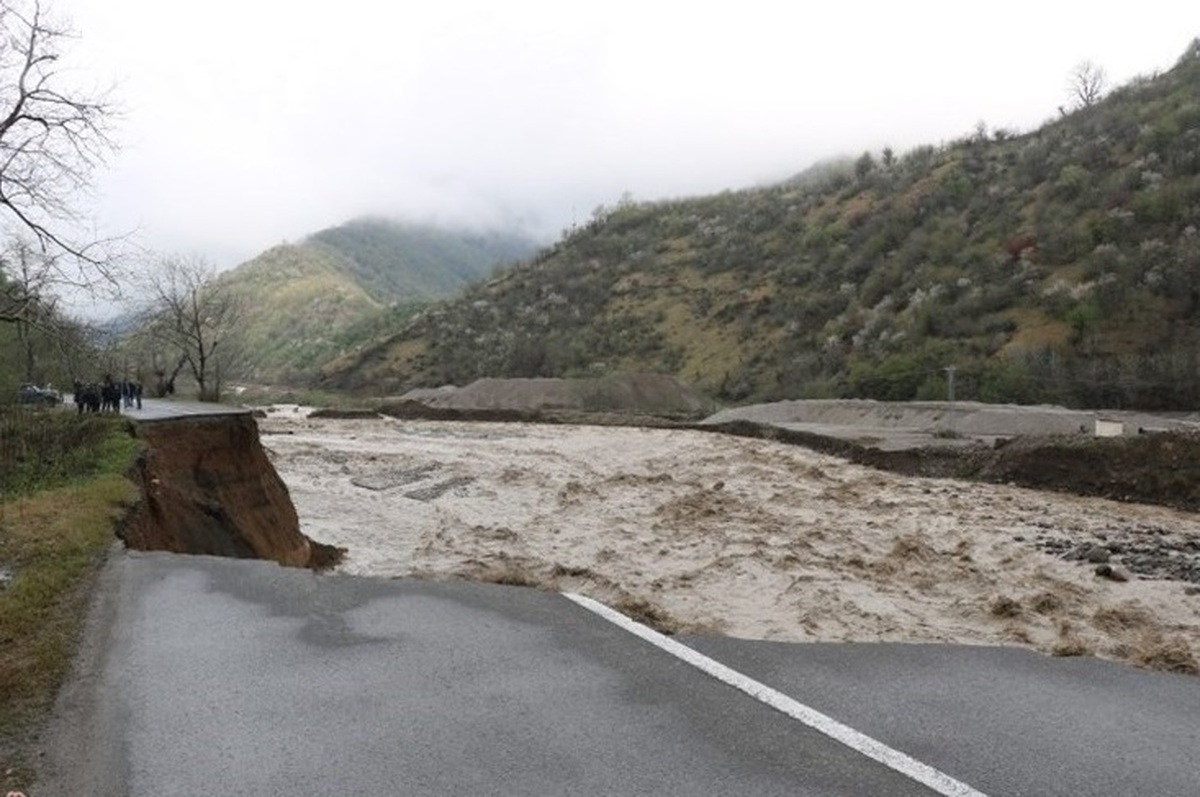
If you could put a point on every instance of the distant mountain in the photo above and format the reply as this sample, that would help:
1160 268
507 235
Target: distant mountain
296 301
1059 265
306 303
395 260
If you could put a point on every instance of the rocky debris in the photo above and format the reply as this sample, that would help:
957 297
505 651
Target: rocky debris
1112 573
1145 551
435 491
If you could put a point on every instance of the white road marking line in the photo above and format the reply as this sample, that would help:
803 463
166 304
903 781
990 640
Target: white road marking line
900 762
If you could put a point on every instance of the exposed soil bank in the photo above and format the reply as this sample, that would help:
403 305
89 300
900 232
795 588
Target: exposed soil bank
208 488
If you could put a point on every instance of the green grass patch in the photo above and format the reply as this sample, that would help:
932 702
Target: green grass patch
63 493
46 448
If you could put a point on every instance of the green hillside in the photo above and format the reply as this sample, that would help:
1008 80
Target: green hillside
303 304
296 301
394 260
1058 265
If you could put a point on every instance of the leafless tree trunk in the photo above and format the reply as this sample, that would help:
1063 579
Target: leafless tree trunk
164 378
193 315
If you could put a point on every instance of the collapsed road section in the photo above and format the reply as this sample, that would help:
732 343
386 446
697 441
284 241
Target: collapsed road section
208 487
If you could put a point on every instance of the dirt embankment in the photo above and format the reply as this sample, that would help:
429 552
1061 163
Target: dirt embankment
208 488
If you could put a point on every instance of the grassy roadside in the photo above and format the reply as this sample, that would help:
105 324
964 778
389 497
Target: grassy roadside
62 489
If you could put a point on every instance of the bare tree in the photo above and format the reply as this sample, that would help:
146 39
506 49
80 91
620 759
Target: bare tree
46 341
52 137
1087 84
194 316
150 358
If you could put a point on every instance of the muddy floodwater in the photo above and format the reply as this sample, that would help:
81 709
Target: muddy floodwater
744 537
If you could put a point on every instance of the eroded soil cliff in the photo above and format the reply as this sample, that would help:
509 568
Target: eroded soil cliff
208 488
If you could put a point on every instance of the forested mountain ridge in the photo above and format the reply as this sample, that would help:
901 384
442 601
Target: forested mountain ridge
295 302
1059 265
302 304
393 260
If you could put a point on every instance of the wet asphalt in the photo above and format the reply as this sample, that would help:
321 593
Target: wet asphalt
214 676
166 409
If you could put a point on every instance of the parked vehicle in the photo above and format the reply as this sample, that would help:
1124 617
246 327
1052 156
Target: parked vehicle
32 394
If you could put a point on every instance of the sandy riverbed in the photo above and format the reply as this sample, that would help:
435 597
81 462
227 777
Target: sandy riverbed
749 538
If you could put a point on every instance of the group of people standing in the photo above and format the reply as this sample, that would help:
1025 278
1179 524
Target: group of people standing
107 395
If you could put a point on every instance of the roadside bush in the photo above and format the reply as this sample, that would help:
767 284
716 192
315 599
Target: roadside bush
40 449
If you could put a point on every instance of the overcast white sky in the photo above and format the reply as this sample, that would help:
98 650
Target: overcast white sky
250 122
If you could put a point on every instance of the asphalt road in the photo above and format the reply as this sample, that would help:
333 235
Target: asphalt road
215 676
1006 720
165 409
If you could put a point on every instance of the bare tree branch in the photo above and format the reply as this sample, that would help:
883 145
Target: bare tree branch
1087 84
194 315
52 138
45 338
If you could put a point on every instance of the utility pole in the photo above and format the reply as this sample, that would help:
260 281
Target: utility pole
950 371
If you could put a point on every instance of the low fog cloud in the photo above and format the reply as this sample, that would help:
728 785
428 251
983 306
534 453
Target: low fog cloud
249 123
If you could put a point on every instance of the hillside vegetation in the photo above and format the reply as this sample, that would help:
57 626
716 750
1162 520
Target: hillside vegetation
398 261
39 344
296 302
303 304
1058 265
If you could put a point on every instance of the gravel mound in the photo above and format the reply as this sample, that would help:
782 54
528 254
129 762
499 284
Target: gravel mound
654 394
